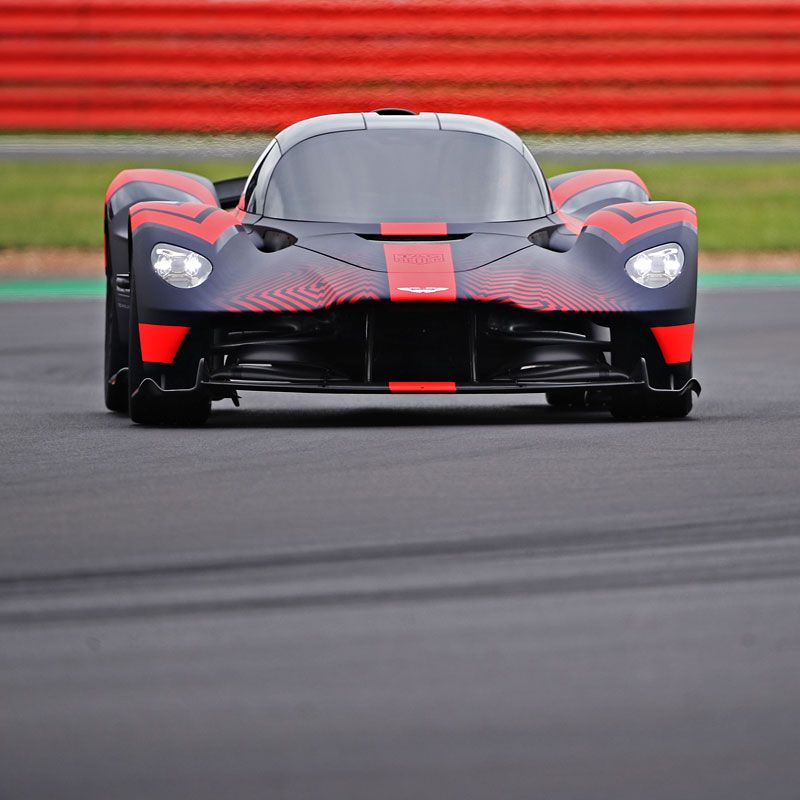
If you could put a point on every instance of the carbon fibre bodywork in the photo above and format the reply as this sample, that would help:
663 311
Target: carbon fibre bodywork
529 305
493 262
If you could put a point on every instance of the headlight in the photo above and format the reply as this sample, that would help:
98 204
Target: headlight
178 266
657 266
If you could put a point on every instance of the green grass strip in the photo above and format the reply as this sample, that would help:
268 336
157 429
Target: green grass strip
87 288
748 280
52 289
747 205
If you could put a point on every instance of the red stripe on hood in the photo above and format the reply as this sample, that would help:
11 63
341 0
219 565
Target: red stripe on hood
420 272
413 229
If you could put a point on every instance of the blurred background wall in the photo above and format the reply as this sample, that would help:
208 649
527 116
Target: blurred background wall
700 97
247 65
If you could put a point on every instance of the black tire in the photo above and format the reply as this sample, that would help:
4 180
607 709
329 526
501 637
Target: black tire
566 398
116 358
180 409
653 405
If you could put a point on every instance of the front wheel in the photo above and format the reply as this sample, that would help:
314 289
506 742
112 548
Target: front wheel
115 375
189 408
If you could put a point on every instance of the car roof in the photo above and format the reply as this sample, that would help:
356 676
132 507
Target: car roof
394 120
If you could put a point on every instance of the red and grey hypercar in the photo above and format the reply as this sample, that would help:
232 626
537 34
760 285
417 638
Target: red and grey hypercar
397 252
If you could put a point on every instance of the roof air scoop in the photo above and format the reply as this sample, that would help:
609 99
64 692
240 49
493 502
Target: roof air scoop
394 112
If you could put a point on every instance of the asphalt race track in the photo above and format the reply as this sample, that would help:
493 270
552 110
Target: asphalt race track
401 597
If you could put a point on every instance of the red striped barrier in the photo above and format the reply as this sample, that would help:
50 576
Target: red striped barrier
620 65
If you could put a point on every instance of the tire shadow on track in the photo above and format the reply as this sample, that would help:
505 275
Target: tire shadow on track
401 418
492 416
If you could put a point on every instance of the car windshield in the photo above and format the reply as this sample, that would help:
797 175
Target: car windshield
401 176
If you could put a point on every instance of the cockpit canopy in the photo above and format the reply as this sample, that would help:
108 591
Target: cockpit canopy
398 174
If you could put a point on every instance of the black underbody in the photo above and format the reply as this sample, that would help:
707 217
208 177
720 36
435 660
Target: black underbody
477 346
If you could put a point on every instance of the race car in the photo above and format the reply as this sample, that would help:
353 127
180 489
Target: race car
397 252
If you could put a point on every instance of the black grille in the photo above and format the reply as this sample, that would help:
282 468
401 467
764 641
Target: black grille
427 342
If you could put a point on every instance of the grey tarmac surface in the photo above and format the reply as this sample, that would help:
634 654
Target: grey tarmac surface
440 597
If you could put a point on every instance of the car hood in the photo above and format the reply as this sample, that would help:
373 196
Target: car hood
381 253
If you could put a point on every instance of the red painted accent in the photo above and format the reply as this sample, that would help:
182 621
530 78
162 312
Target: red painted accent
422 387
164 178
538 290
305 288
675 342
650 208
160 343
569 188
413 229
658 215
182 217
420 272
